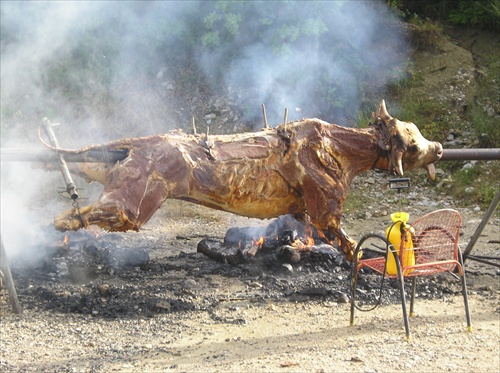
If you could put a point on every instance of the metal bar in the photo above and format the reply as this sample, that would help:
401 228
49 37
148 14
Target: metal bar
112 156
480 228
480 154
484 261
70 185
9 282
485 257
90 156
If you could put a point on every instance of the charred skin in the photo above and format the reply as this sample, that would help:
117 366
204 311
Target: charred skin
304 170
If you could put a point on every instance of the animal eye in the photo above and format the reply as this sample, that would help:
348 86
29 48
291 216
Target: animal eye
413 148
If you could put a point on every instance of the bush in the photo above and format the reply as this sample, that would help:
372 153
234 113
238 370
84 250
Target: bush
482 13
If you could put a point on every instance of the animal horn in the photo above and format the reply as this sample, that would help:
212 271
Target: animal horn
383 113
398 162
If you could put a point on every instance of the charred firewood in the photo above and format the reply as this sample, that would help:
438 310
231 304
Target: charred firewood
288 254
219 252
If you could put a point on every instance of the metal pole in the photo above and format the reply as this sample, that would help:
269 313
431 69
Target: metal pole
70 185
480 228
9 282
481 154
89 156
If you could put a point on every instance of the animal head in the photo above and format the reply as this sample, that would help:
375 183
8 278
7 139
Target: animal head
406 146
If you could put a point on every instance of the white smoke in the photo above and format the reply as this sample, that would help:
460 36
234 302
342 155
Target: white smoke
315 61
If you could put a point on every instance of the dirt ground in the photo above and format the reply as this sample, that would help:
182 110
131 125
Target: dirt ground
185 312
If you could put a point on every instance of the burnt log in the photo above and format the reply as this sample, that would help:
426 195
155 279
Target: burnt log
288 254
240 236
220 252
302 168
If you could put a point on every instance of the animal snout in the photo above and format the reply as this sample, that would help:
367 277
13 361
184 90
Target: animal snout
439 150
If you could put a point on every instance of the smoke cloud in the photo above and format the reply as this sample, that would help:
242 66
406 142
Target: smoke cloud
108 69
315 63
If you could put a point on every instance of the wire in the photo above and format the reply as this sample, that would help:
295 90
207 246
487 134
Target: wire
388 245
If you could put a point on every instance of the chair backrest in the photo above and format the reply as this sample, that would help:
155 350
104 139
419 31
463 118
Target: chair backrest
436 236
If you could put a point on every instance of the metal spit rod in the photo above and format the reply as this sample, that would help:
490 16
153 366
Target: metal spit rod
89 156
70 185
115 155
482 154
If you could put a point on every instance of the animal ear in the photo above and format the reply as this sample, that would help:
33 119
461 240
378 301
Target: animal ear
382 133
383 141
383 113
398 148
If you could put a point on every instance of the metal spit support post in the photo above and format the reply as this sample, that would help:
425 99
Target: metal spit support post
9 282
482 225
70 185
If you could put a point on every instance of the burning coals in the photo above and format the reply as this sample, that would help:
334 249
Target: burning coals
285 243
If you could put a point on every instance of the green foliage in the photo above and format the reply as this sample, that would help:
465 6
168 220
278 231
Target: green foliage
211 39
82 75
467 176
486 124
233 23
222 25
356 200
482 13
211 20
428 115
478 184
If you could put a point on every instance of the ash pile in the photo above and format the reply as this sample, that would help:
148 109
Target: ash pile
136 275
83 256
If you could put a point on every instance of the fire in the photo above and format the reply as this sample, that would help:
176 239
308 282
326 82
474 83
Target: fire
326 239
259 242
307 242
65 243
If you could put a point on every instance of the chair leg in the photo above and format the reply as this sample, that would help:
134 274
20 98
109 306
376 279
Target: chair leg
401 281
353 292
466 302
464 292
412 299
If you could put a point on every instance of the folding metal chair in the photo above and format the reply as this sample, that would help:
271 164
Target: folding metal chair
435 248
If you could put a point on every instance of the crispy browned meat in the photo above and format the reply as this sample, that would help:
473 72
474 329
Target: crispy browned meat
304 169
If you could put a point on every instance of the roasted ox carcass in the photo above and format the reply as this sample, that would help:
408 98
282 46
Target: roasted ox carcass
304 168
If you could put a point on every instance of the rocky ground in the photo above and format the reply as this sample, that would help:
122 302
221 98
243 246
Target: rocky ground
93 307
147 301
